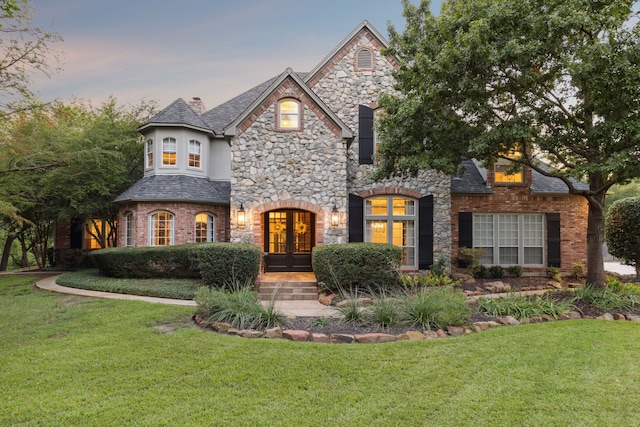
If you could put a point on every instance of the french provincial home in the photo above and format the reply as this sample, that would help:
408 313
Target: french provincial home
286 166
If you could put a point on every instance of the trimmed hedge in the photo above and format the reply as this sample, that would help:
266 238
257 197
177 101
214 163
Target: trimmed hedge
225 264
148 262
369 265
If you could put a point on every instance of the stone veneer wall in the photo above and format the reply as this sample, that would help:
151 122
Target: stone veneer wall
184 221
344 88
572 209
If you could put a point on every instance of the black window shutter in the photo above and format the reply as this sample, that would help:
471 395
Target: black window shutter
365 135
553 240
425 233
465 233
356 219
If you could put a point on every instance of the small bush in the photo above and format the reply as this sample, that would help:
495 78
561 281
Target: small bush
523 307
439 268
222 264
367 265
480 272
470 257
385 312
579 270
496 271
515 270
430 279
435 307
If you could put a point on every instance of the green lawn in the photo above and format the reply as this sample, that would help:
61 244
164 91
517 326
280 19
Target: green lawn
67 360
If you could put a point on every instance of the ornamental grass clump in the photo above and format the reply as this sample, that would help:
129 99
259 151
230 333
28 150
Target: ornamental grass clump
385 312
436 307
615 296
524 307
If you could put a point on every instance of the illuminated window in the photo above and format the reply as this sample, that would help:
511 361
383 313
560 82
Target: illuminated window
169 150
128 229
509 239
392 219
364 59
149 152
205 228
161 229
98 234
289 114
505 172
194 153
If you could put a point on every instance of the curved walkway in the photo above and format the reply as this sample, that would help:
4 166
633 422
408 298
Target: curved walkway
288 308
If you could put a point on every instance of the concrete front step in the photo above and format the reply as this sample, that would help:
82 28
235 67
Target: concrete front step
288 291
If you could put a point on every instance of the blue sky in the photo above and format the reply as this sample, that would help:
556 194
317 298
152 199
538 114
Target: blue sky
214 49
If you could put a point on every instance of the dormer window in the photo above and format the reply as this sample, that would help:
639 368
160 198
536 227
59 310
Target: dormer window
149 152
169 152
506 172
289 114
364 59
195 149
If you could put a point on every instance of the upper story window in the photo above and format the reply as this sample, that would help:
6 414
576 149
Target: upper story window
364 59
289 114
149 152
161 229
205 228
506 172
195 150
169 151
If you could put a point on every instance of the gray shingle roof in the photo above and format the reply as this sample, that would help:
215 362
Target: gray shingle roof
177 113
473 180
178 188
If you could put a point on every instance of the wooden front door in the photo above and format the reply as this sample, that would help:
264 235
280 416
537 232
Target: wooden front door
289 238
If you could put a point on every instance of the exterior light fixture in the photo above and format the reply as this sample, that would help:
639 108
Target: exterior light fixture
241 218
335 217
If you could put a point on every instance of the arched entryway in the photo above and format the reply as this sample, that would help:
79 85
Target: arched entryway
289 237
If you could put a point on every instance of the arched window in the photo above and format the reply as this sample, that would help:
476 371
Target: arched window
393 220
205 228
289 114
169 151
161 229
364 59
195 151
128 229
149 152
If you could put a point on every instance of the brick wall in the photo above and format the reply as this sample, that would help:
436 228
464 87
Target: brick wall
517 199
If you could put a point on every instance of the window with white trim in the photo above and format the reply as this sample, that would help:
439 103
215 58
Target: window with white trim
195 151
289 114
205 228
169 151
149 153
509 239
128 229
393 220
161 229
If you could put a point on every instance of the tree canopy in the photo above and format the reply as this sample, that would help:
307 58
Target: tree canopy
556 80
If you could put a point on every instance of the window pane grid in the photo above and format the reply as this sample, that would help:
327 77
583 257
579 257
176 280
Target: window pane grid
512 238
390 219
169 150
194 153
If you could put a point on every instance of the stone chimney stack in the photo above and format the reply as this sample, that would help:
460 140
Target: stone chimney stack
197 105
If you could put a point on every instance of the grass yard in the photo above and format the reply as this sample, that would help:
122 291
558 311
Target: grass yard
67 360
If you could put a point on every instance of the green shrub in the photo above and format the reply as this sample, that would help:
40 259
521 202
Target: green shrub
579 270
148 262
496 271
436 307
470 257
223 264
440 266
385 312
523 307
515 270
554 273
367 265
480 271
430 279
622 232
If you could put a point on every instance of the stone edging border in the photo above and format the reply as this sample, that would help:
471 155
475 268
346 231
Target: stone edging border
410 335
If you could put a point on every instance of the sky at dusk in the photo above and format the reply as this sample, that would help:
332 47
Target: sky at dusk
213 49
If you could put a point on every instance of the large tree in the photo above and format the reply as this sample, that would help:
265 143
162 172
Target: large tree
557 80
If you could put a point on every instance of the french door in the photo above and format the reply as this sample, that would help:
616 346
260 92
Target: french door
289 239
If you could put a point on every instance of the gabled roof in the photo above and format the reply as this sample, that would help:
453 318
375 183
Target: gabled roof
231 129
178 113
472 179
364 25
177 188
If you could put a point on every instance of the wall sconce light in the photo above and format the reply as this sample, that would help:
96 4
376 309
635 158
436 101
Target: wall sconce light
335 217
241 218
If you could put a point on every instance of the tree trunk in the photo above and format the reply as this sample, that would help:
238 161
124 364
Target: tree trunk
595 240
4 262
25 254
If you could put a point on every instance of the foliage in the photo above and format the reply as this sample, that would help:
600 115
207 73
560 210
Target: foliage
167 287
237 305
385 311
90 361
24 51
554 81
496 271
470 257
368 265
440 266
480 271
436 307
430 279
554 273
524 307
622 230
614 296
223 264
179 261
515 270
578 269
621 191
